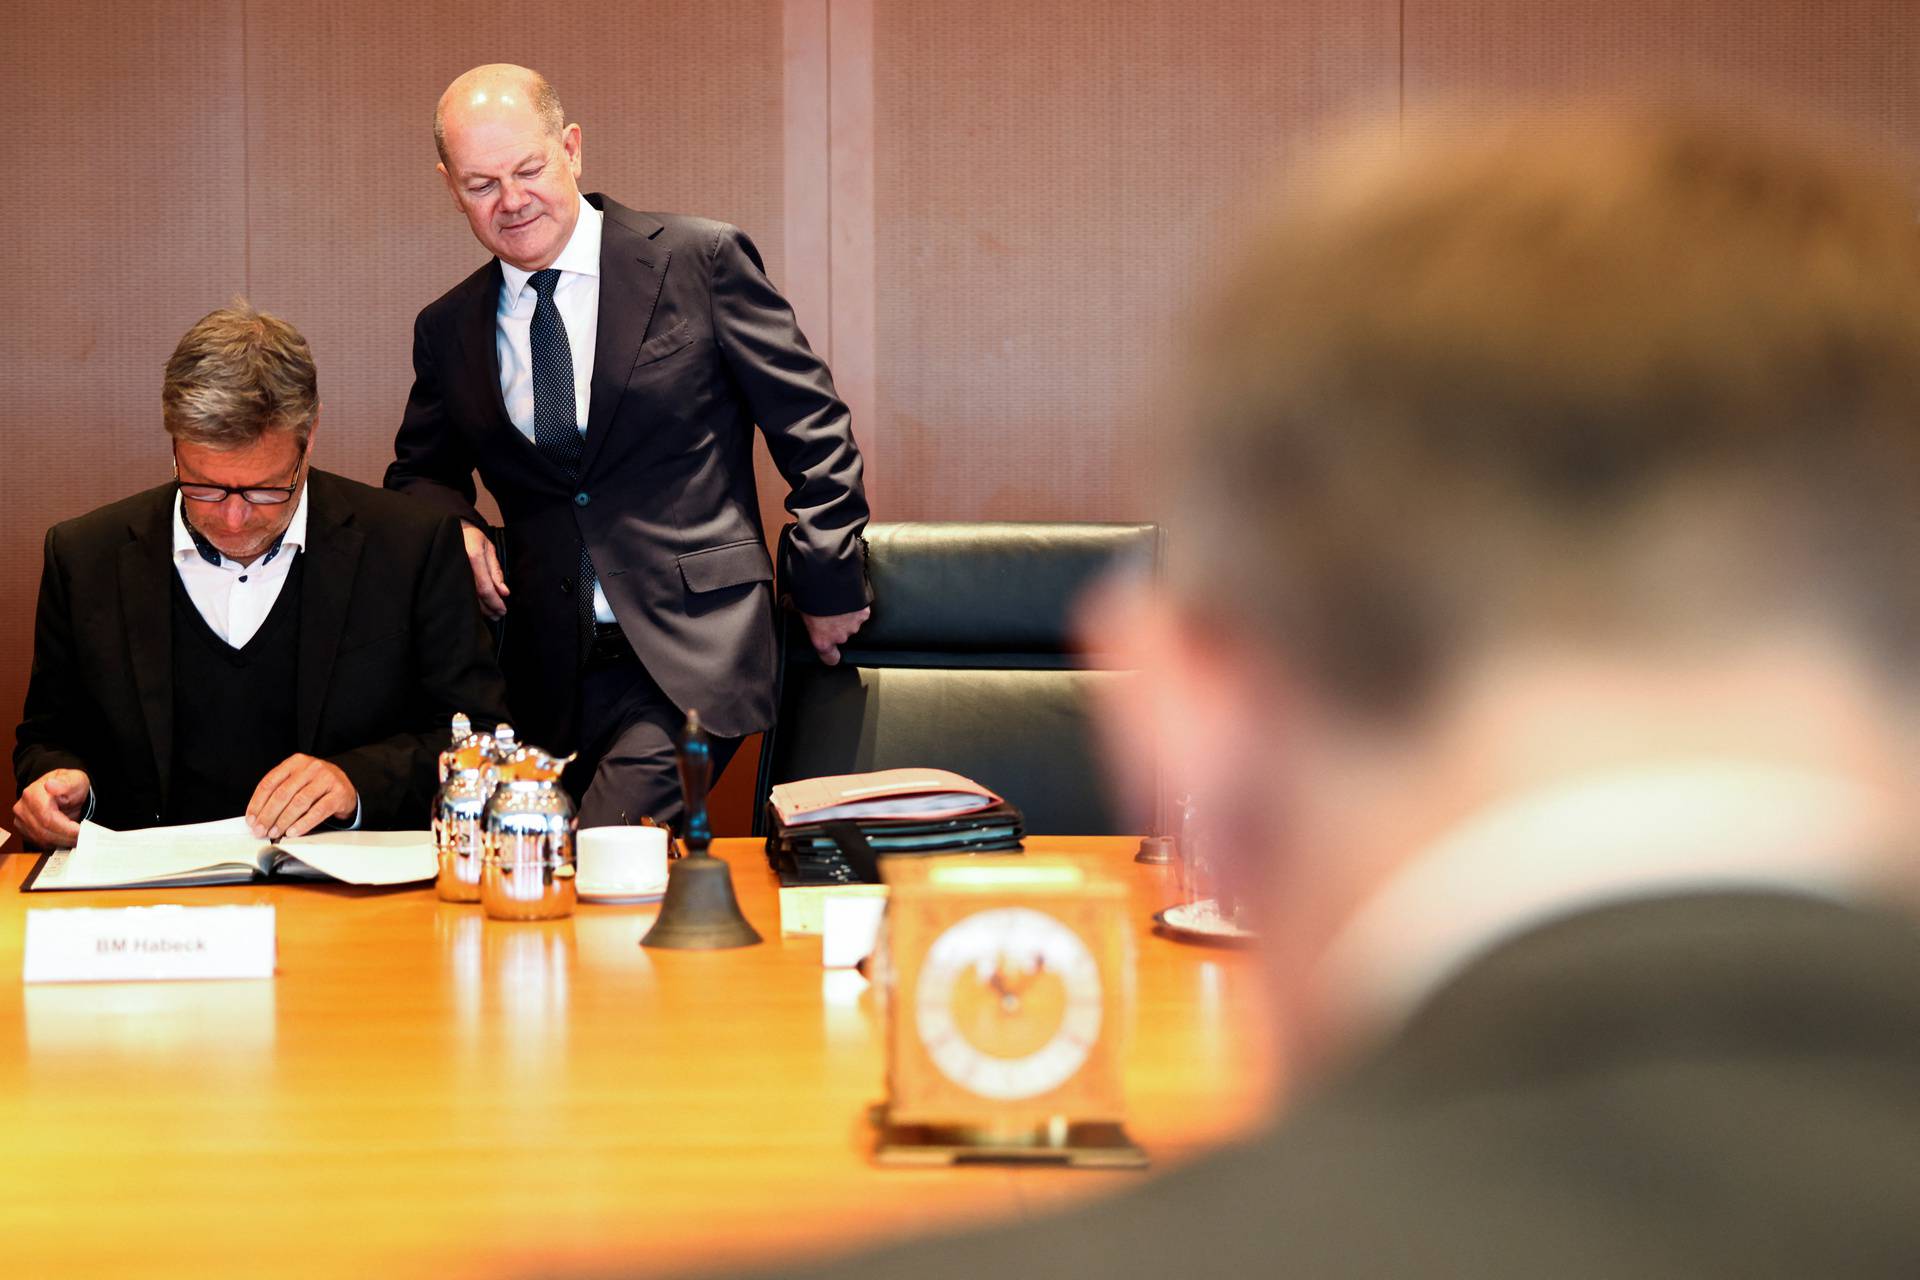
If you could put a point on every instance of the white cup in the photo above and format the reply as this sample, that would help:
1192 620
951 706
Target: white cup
621 859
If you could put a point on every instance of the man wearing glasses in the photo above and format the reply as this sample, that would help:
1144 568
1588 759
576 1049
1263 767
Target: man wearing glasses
256 637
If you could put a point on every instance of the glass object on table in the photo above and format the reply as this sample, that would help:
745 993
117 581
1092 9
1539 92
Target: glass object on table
1212 904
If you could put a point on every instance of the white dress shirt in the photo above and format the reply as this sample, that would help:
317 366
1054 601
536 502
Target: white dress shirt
1685 826
577 295
234 598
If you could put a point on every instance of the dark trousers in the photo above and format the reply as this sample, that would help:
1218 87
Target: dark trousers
627 768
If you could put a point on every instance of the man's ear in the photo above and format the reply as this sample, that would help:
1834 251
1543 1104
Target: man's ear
453 188
1197 713
313 428
1113 623
570 143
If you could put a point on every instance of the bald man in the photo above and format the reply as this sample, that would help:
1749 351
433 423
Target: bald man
602 374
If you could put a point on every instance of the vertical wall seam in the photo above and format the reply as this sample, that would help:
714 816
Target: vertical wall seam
826 162
806 177
851 199
246 159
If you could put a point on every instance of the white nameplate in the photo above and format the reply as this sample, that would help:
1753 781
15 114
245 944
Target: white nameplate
139 944
850 929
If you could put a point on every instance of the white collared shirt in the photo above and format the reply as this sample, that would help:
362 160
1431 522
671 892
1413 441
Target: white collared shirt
1681 827
577 295
233 598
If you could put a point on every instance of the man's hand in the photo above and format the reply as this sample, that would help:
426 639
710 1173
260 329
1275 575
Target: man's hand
488 580
297 796
832 631
48 811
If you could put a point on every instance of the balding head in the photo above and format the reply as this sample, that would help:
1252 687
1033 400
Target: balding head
496 89
510 162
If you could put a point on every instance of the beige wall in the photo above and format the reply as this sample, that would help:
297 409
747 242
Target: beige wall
990 215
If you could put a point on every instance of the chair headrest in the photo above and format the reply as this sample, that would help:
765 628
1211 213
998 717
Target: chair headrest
1002 587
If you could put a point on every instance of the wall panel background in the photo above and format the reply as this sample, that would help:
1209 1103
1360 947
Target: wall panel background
993 216
1051 182
1857 61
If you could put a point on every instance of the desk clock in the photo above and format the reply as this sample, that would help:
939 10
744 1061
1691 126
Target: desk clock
1008 988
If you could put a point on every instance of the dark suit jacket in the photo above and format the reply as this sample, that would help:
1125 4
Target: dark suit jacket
391 644
694 347
1723 1085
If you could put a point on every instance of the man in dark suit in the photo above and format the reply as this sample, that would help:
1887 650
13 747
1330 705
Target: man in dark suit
1541 647
603 374
257 637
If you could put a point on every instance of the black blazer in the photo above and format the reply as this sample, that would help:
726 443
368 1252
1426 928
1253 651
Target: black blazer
694 347
1721 1085
392 642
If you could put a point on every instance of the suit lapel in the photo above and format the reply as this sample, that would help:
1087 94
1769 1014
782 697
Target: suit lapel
632 268
333 559
146 610
478 325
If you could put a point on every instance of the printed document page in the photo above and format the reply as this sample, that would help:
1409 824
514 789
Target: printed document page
367 857
226 852
200 853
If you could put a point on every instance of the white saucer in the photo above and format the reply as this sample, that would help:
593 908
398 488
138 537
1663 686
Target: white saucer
1202 922
620 892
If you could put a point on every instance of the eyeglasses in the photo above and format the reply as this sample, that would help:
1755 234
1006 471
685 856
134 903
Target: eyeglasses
258 495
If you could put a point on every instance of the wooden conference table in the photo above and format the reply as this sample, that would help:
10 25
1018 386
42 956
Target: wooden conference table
423 1090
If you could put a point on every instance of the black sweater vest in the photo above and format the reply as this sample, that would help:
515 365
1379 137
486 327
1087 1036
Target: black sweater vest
233 709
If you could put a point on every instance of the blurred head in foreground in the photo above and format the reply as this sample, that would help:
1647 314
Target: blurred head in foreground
1575 463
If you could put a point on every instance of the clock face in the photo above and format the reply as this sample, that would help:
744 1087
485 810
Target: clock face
1008 1003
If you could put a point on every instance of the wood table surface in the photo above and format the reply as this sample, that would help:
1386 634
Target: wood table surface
421 1090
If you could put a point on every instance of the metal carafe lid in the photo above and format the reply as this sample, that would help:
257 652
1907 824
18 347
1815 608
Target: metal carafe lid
470 754
531 764
467 752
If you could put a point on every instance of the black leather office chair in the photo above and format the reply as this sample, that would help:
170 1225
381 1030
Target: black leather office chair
965 665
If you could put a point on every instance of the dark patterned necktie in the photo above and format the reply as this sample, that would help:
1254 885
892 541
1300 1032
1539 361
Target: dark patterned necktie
556 422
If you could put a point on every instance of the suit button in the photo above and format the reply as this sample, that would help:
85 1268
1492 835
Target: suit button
582 498
566 587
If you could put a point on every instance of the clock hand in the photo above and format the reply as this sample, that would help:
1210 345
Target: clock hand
1032 975
997 983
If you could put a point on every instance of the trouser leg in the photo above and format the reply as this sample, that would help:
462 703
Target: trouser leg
628 768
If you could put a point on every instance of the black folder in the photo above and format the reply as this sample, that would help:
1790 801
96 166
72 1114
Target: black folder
847 851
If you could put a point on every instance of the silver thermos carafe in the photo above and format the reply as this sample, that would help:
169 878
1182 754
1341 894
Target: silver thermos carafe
467 769
528 827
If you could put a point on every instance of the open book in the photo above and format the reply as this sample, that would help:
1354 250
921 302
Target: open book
226 852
